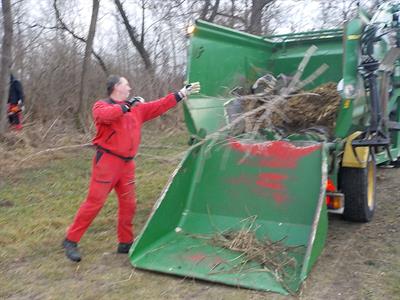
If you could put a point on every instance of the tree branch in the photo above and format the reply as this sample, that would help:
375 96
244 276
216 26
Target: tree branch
133 37
64 26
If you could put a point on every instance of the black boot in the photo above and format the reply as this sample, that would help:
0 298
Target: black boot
71 250
124 247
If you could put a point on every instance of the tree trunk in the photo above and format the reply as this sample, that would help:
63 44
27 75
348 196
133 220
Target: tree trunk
214 11
255 26
204 11
5 63
207 7
83 107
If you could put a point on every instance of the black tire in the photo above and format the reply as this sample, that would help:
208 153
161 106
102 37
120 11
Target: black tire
359 188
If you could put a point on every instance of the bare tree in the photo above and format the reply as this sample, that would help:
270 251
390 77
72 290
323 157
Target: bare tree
207 8
256 14
136 39
5 62
253 16
334 14
64 26
82 106
51 41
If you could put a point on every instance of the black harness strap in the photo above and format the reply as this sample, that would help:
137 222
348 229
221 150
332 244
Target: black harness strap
125 158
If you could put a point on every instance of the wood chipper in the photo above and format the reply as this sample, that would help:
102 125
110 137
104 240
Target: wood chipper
251 210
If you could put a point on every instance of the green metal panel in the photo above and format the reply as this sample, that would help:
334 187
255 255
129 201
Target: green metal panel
383 157
215 188
220 58
306 35
202 112
288 55
394 107
353 106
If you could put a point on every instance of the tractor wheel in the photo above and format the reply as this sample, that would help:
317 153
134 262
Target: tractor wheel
358 186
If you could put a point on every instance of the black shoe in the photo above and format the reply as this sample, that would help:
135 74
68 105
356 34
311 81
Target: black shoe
71 250
124 247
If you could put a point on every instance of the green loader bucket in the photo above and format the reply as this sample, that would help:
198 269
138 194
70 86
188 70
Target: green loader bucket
274 190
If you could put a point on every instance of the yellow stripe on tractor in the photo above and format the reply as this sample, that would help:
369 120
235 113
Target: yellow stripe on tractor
355 157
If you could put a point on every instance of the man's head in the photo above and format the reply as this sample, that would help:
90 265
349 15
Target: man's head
118 87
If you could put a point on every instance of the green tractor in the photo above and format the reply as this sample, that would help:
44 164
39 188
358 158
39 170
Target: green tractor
279 192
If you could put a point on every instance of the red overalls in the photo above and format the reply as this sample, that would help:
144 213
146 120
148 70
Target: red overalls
14 113
118 138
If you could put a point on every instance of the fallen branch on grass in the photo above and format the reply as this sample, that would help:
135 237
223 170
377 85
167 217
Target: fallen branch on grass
157 157
70 147
50 150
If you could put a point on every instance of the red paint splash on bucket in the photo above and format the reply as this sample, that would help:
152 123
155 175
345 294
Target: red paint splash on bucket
272 154
275 154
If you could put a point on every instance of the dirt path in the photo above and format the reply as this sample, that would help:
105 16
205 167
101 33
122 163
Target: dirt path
362 261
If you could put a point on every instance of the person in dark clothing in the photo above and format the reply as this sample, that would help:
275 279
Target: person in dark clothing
15 103
118 123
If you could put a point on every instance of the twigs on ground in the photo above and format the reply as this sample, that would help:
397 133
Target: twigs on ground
255 254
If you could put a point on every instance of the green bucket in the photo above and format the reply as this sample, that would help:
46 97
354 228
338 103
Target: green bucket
266 194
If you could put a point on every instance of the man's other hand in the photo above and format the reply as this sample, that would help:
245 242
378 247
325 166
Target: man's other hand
188 89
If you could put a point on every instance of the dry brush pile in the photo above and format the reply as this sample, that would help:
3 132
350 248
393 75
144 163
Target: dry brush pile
294 113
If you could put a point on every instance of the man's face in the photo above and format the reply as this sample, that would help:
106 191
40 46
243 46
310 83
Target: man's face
123 88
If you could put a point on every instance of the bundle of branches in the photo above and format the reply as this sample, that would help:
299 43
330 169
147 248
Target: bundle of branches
293 113
317 108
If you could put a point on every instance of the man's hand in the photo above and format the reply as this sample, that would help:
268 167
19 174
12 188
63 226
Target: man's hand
188 89
131 102
134 100
21 105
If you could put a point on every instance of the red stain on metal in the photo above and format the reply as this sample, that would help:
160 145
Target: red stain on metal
270 185
275 154
271 180
197 257
271 154
273 176
276 182
279 197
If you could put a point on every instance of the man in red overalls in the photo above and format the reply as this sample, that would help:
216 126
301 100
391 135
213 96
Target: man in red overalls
118 122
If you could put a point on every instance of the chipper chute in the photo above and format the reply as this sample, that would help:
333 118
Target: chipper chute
243 214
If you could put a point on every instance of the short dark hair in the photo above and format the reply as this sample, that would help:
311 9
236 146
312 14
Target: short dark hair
112 80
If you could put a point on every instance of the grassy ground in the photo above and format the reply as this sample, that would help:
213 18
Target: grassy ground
38 203
361 261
